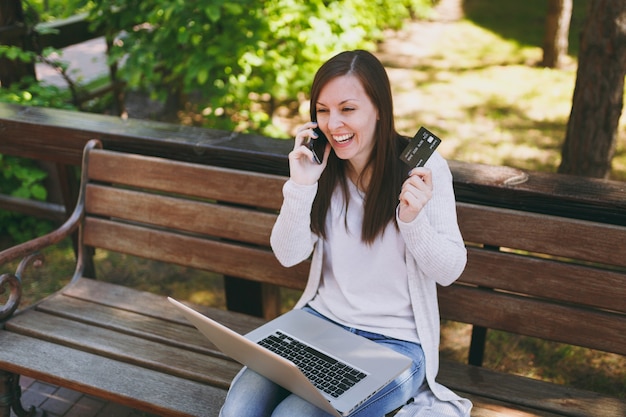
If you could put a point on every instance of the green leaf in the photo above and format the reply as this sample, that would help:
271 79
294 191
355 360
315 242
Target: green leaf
213 13
38 192
233 8
202 76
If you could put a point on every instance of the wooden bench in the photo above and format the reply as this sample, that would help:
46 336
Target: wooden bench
544 276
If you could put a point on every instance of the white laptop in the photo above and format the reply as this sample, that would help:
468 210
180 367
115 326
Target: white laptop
361 366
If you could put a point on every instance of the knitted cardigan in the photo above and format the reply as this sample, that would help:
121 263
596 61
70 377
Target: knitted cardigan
435 254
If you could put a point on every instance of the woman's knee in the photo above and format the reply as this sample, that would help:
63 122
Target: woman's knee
296 406
252 395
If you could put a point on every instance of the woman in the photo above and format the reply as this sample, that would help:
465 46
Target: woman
381 236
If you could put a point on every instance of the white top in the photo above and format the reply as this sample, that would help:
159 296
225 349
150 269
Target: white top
435 255
364 286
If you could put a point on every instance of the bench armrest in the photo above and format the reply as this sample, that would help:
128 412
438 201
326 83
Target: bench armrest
29 251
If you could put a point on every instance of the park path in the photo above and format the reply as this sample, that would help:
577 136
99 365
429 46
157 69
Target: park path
86 60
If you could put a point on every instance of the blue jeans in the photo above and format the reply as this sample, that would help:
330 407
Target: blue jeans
252 395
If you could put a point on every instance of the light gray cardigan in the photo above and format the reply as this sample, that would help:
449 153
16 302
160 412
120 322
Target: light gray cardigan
435 254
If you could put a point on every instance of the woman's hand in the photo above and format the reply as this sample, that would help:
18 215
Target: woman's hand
416 192
302 167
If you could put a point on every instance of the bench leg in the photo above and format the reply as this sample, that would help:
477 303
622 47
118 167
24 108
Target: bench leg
477 346
10 397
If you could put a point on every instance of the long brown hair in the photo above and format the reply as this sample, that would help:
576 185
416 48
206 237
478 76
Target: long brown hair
387 172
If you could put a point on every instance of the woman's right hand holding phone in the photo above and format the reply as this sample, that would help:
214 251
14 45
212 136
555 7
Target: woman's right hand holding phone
304 170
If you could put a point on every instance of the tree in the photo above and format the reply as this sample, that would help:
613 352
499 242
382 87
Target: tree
597 104
555 41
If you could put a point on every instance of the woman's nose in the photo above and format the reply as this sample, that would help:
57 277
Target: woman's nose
334 121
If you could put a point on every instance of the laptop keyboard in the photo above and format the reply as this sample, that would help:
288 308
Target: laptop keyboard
326 373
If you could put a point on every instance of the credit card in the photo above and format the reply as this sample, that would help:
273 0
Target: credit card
420 148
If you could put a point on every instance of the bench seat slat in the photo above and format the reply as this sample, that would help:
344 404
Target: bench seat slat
181 335
150 304
528 392
250 226
126 348
107 378
235 260
544 278
205 181
534 317
551 235
488 407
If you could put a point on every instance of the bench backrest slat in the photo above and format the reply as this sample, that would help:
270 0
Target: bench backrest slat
545 278
202 181
540 233
535 317
200 217
223 257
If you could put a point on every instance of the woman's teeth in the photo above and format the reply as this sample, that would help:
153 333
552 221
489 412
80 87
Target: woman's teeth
343 138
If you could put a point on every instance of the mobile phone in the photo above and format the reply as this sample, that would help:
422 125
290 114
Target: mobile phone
318 145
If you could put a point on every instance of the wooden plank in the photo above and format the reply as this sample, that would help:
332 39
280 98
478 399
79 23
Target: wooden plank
570 196
222 184
251 263
488 407
546 278
149 304
164 358
551 235
107 378
177 333
534 317
530 393
233 223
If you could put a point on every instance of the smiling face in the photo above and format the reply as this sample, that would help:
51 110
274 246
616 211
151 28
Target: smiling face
348 118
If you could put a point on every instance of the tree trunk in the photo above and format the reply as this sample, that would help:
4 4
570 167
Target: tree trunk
555 41
599 92
12 15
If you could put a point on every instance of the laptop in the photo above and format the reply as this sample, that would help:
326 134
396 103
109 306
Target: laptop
361 367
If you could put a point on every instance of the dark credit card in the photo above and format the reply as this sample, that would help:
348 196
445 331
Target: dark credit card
420 148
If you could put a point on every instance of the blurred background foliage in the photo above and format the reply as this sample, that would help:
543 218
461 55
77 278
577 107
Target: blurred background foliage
234 62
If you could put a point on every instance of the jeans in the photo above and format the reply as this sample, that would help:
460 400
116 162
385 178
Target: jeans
252 395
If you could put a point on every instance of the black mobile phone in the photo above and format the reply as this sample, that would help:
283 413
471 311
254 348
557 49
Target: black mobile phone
318 146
